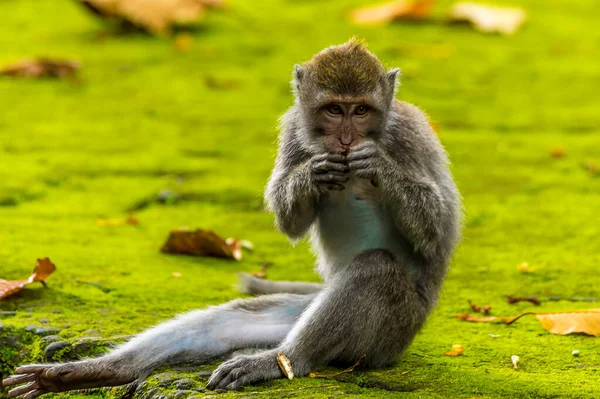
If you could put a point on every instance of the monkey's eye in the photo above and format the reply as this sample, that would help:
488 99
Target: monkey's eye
361 110
334 109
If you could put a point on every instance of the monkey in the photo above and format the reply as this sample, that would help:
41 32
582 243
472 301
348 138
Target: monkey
364 176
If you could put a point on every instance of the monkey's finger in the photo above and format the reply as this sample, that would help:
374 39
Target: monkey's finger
326 166
34 394
361 154
361 164
217 376
18 379
32 386
332 177
336 157
31 369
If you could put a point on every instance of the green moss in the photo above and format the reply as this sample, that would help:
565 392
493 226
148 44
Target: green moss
144 118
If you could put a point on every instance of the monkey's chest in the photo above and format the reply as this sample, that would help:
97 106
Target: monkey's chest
347 225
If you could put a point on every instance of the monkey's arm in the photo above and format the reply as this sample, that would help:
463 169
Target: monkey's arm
298 180
413 183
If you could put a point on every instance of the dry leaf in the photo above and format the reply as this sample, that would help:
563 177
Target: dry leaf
457 350
557 152
285 365
534 300
130 219
155 16
580 321
42 68
314 374
515 361
43 268
387 12
489 19
263 270
563 323
484 319
486 309
202 242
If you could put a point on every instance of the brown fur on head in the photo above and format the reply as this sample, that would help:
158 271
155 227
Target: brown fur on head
349 76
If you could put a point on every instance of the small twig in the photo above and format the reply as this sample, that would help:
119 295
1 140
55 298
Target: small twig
314 374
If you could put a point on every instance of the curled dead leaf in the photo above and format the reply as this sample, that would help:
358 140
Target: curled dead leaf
285 365
203 243
486 309
43 268
42 68
489 19
154 16
531 299
457 350
387 12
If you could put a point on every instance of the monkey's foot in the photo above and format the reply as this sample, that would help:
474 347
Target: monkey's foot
243 370
44 378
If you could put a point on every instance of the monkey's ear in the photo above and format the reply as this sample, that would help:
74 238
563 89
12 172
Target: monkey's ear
298 74
393 78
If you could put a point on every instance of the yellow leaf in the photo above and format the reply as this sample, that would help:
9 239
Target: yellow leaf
579 321
489 19
457 350
43 268
387 12
515 361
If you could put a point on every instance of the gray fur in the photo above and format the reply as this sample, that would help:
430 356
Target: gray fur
256 286
383 220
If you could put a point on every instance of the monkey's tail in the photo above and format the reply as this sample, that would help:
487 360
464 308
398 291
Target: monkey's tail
257 286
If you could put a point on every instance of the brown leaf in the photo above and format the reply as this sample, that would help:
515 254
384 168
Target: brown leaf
42 68
486 309
43 268
489 19
155 16
557 152
285 365
457 350
579 321
387 12
534 300
203 243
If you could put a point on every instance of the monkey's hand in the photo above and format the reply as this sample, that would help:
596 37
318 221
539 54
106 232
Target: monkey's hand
244 369
329 171
44 378
365 161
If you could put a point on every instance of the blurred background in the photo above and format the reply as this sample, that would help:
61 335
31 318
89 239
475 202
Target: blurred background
167 111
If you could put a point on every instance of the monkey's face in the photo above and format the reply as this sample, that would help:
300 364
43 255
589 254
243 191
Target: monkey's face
342 123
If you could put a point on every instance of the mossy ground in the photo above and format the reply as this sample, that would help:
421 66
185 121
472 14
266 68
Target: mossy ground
144 118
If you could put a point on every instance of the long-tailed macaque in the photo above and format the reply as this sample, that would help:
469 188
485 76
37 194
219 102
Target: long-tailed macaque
363 175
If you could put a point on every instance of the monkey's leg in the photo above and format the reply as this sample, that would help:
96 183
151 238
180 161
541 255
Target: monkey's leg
196 337
258 286
371 308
